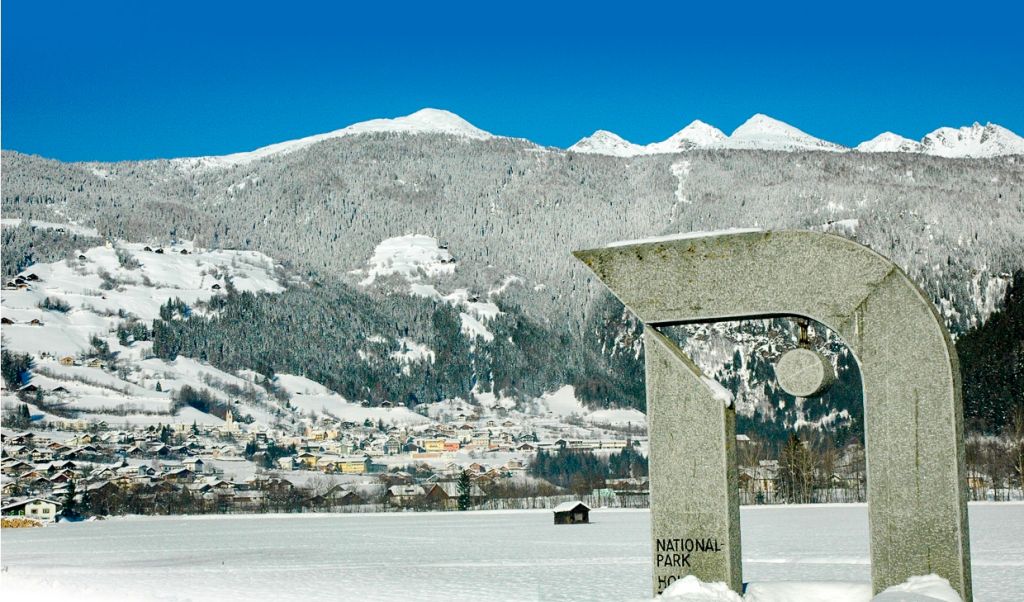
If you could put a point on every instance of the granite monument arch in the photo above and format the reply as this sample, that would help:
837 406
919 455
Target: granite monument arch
912 394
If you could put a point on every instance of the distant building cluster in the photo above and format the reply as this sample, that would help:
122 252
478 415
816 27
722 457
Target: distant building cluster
86 468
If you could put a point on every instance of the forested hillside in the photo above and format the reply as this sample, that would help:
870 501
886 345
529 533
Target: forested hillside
511 212
955 225
992 364
384 347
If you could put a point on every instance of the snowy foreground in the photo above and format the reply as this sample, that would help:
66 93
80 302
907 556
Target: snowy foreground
511 555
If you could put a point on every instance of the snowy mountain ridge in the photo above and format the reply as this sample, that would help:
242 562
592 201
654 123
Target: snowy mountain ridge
762 132
990 140
424 121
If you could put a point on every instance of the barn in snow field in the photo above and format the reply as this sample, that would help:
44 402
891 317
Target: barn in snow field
571 513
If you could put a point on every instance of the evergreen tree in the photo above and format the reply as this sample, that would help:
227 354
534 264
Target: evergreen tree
992 364
16 368
70 509
465 491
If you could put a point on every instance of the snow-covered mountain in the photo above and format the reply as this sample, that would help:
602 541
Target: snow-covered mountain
424 121
603 142
761 132
887 142
764 133
696 135
977 140
390 206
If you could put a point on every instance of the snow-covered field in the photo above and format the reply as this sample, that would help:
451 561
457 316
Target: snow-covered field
448 556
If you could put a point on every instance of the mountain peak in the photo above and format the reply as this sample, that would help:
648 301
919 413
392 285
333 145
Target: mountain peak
888 142
989 140
695 135
603 142
767 133
427 120
423 121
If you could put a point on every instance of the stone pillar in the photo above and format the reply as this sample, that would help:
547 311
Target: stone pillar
912 394
695 515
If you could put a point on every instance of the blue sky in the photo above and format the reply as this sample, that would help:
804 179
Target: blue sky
134 80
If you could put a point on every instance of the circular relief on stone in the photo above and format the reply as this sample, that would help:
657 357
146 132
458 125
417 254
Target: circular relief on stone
804 372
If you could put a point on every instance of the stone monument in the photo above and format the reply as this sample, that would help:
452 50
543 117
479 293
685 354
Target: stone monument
917 507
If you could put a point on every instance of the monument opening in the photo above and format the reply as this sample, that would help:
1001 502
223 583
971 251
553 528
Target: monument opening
801 442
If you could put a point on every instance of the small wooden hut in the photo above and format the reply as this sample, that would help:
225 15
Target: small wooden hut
571 513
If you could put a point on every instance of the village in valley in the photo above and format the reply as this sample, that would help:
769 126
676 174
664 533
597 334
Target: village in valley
332 465
96 423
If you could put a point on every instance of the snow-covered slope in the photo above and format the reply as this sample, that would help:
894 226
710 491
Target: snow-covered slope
312 397
424 121
603 142
696 135
62 308
564 404
102 287
975 141
887 142
764 133
758 132
412 257
423 262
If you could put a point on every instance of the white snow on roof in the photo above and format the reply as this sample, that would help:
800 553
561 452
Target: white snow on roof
567 506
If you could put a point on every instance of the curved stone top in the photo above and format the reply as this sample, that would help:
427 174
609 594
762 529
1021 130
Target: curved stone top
733 275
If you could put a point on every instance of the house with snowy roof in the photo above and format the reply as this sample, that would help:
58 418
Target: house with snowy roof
403 495
195 464
38 508
445 494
